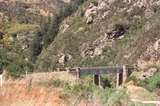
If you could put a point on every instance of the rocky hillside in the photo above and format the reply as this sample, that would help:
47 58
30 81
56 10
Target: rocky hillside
43 35
106 32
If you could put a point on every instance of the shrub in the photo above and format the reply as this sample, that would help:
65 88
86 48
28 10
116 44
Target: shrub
36 46
132 78
152 83
15 64
20 28
108 96
59 83
111 97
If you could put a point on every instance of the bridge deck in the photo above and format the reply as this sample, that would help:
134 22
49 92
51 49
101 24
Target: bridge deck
100 70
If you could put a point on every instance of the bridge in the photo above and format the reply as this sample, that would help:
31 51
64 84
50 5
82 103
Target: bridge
122 72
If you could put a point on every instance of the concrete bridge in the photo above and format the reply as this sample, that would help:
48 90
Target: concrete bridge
121 73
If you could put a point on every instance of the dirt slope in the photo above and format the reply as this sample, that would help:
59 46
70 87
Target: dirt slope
16 94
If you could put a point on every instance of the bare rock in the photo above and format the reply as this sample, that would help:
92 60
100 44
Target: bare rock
90 12
102 5
111 1
89 20
117 31
157 45
127 1
64 58
157 3
66 1
64 27
147 26
96 47
98 51
148 13
105 14
86 50
151 56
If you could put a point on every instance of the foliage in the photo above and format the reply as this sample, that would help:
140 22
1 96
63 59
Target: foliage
20 28
54 21
132 78
80 91
59 83
16 65
151 84
36 46
111 97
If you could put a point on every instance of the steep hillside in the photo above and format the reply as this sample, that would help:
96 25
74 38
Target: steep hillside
105 32
27 27
43 35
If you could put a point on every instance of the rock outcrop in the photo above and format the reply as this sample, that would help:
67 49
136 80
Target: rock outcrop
90 13
151 56
96 47
63 59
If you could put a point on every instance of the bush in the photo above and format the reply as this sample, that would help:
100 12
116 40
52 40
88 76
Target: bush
14 63
113 97
151 84
59 83
36 46
108 96
132 78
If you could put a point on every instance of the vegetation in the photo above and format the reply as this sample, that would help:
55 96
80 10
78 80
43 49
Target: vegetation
45 45
20 28
53 23
88 91
151 84
13 63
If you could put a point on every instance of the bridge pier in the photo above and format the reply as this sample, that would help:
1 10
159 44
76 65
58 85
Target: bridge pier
125 74
117 79
78 73
121 76
97 79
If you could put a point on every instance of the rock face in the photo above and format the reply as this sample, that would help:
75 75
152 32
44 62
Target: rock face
63 59
64 27
157 45
96 47
117 31
90 12
151 56
3 21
